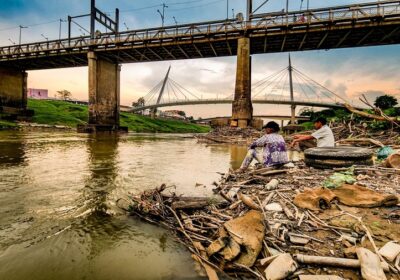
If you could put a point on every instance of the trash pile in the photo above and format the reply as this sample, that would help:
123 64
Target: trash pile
360 135
230 135
346 134
290 223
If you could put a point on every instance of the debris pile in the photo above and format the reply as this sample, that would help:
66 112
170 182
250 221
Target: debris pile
273 224
230 135
346 133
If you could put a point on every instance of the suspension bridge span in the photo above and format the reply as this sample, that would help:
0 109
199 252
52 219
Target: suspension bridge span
356 25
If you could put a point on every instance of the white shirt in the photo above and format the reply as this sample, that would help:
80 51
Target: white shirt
324 137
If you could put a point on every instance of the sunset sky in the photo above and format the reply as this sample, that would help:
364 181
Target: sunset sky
348 72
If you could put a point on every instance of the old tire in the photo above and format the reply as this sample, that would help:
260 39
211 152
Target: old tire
337 157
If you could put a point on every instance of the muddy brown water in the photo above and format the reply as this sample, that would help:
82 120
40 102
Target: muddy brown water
58 217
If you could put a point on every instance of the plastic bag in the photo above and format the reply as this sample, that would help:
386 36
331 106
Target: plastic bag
338 179
384 152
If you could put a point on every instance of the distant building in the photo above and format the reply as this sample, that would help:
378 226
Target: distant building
38 93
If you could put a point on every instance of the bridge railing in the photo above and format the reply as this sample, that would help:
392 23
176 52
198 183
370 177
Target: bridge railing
384 9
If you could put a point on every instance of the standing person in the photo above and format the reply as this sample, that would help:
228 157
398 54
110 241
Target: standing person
274 148
323 135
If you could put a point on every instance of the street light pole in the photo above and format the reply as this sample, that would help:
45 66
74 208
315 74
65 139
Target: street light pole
20 33
227 9
162 14
59 30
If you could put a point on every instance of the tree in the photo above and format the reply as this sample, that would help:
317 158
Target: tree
385 102
64 94
139 103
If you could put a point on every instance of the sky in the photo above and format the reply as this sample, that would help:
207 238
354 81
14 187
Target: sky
348 72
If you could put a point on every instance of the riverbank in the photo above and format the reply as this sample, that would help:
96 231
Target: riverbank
61 113
274 224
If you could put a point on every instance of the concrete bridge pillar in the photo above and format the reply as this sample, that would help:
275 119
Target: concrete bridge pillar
104 95
13 88
242 108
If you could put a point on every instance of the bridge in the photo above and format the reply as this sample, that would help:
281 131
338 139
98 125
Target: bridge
230 101
288 86
359 25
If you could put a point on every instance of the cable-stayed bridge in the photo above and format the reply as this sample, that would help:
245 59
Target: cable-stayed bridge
288 86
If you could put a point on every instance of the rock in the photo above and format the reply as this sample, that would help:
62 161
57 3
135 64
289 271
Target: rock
272 185
390 251
281 267
248 231
274 207
371 268
289 165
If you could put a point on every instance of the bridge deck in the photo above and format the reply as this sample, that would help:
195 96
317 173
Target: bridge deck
317 104
369 24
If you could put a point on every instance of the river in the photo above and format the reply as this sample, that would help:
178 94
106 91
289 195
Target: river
58 217
58 213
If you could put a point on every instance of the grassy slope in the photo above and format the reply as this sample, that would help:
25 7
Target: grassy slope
64 113
7 125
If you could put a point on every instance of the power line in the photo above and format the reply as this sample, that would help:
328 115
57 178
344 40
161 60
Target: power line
198 6
158 5
30 25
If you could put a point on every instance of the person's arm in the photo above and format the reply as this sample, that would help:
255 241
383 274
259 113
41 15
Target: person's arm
299 138
260 142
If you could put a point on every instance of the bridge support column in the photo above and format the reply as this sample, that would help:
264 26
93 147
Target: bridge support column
13 90
104 95
242 108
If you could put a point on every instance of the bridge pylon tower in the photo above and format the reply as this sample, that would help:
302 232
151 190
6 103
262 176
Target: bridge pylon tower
160 95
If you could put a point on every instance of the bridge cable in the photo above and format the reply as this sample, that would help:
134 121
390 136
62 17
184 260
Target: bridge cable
301 87
173 90
269 82
186 90
259 83
189 92
328 90
313 90
182 93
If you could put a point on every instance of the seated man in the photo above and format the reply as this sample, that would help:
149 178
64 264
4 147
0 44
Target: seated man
323 135
274 148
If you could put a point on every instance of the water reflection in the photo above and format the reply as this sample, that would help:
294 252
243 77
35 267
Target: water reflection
12 150
103 169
